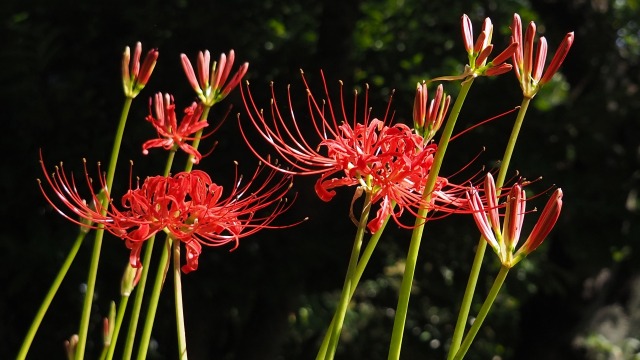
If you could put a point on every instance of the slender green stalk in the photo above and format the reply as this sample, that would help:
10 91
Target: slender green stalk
146 260
31 333
467 299
362 264
506 159
95 256
153 301
416 236
104 352
122 308
482 244
484 310
196 139
182 337
349 285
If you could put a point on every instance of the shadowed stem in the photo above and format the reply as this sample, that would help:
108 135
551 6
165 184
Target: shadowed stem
31 333
196 139
416 236
484 310
362 264
182 337
95 257
153 301
482 244
122 308
349 283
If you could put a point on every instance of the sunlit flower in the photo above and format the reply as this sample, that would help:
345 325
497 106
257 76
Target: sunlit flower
390 162
505 241
135 77
479 51
530 68
188 206
211 84
171 135
427 120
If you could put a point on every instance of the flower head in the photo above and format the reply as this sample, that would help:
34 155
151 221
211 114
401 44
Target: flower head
427 120
134 76
171 135
188 206
505 241
479 51
211 85
390 162
530 68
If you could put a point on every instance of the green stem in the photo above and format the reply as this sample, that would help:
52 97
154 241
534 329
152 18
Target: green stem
465 307
349 285
182 337
146 261
95 257
122 308
31 333
484 310
416 236
196 139
153 301
506 159
362 264
482 244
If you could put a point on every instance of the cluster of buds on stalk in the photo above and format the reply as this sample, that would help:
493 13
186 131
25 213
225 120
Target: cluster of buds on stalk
479 51
210 84
529 68
427 120
134 76
504 241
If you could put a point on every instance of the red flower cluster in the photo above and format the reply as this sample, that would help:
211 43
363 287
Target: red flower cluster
390 162
170 133
188 206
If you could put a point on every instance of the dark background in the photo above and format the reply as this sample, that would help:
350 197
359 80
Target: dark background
578 296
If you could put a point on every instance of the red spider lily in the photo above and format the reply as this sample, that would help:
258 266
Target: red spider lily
480 51
504 241
529 70
188 206
388 161
134 77
210 85
427 122
171 134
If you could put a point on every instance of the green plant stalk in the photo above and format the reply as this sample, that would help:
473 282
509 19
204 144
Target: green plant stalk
146 260
484 310
349 285
465 306
482 244
153 301
362 264
416 236
122 308
95 257
196 139
182 337
31 333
